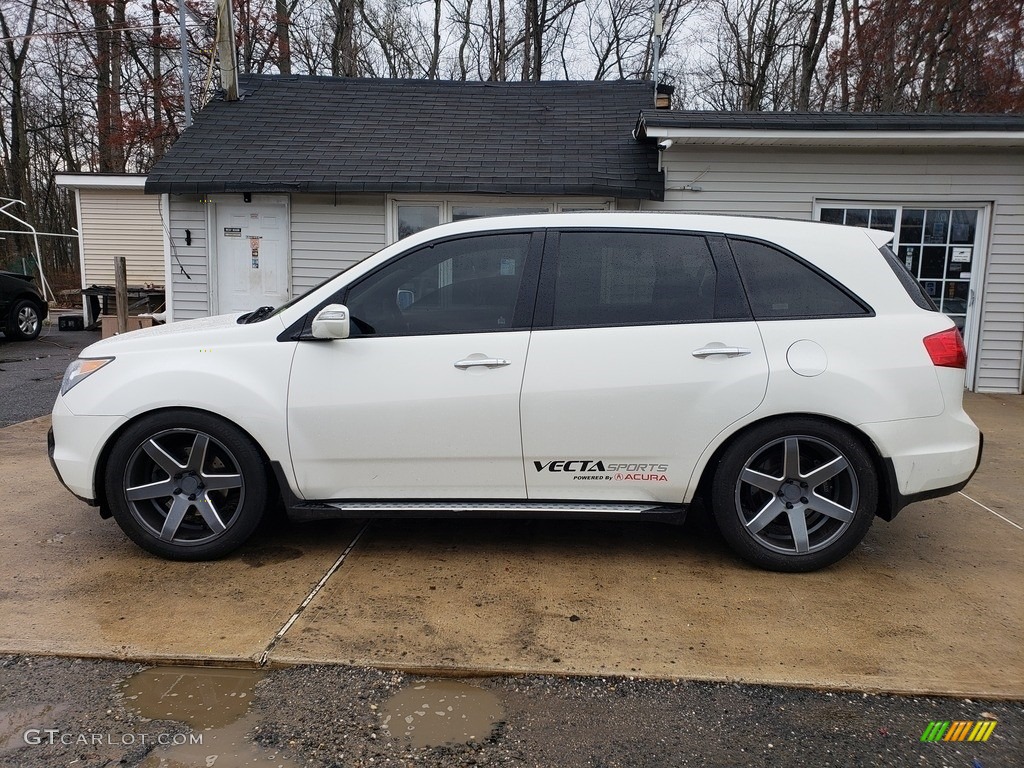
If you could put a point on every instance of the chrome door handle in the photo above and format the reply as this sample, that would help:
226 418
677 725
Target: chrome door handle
728 351
490 362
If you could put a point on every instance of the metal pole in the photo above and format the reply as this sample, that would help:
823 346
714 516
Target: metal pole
656 44
186 83
8 202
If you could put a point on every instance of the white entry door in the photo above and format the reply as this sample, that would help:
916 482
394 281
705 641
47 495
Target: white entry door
252 256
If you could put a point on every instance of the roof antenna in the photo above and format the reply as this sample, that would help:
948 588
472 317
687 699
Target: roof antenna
656 43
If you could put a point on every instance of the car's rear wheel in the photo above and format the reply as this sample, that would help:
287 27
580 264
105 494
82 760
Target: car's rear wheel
795 495
186 485
26 320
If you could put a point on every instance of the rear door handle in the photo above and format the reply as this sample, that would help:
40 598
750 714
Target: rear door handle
727 351
490 362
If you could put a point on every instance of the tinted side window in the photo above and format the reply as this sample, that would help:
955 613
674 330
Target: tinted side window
457 286
623 278
780 286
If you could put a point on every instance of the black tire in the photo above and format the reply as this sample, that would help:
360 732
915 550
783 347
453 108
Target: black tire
795 495
178 503
26 320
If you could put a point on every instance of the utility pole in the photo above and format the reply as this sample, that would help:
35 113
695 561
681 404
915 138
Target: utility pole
226 50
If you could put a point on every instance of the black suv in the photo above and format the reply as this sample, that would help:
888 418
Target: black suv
22 309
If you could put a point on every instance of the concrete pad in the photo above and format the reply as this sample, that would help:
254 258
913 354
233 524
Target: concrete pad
73 584
931 603
999 481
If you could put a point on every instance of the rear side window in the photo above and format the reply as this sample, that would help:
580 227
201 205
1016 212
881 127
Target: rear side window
780 286
633 278
913 288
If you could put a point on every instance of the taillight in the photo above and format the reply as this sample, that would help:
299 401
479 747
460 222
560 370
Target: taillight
946 349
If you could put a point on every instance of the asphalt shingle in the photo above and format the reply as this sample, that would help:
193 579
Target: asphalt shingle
323 134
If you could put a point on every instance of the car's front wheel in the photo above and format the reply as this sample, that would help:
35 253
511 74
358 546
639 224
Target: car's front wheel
795 495
26 320
186 485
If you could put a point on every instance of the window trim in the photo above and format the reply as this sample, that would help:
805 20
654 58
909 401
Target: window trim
868 309
447 203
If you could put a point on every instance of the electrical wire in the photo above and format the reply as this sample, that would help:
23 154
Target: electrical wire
62 33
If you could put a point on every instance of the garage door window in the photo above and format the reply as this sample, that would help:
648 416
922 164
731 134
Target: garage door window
937 246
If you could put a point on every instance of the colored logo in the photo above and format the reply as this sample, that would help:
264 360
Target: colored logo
958 730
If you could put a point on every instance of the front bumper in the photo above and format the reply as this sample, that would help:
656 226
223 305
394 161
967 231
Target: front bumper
51 445
75 444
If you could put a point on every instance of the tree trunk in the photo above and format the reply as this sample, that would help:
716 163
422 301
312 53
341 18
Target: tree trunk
343 55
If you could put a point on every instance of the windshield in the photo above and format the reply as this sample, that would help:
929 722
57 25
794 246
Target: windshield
262 313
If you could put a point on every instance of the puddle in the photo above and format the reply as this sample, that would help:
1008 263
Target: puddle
14 723
215 703
437 713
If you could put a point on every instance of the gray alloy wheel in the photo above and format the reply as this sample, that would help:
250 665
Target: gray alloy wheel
795 497
190 487
26 321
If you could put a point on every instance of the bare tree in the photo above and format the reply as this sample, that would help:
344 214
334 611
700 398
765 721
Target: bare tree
818 16
14 136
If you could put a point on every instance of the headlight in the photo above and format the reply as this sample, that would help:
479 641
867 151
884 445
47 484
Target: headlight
80 369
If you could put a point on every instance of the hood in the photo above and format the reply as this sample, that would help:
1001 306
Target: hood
204 331
17 275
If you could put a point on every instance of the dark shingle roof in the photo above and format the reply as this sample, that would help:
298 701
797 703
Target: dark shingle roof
323 134
831 121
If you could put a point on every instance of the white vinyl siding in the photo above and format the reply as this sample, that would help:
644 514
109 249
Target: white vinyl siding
121 222
189 264
766 181
329 233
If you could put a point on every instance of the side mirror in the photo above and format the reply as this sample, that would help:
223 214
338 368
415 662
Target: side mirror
405 299
331 322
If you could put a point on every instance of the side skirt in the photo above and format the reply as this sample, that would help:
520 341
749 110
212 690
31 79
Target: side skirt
300 510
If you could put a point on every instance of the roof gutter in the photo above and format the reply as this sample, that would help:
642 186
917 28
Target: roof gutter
829 138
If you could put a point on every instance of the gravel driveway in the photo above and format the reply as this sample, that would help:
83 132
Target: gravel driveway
334 717
31 371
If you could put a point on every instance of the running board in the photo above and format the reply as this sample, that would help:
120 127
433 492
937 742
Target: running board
302 510
553 508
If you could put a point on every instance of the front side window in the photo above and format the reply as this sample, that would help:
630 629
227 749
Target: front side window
467 285
781 287
632 278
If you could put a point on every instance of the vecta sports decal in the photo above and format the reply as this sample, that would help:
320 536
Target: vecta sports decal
603 470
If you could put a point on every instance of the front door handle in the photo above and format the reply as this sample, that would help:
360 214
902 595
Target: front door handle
727 351
490 362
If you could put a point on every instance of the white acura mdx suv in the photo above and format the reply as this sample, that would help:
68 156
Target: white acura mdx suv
790 376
